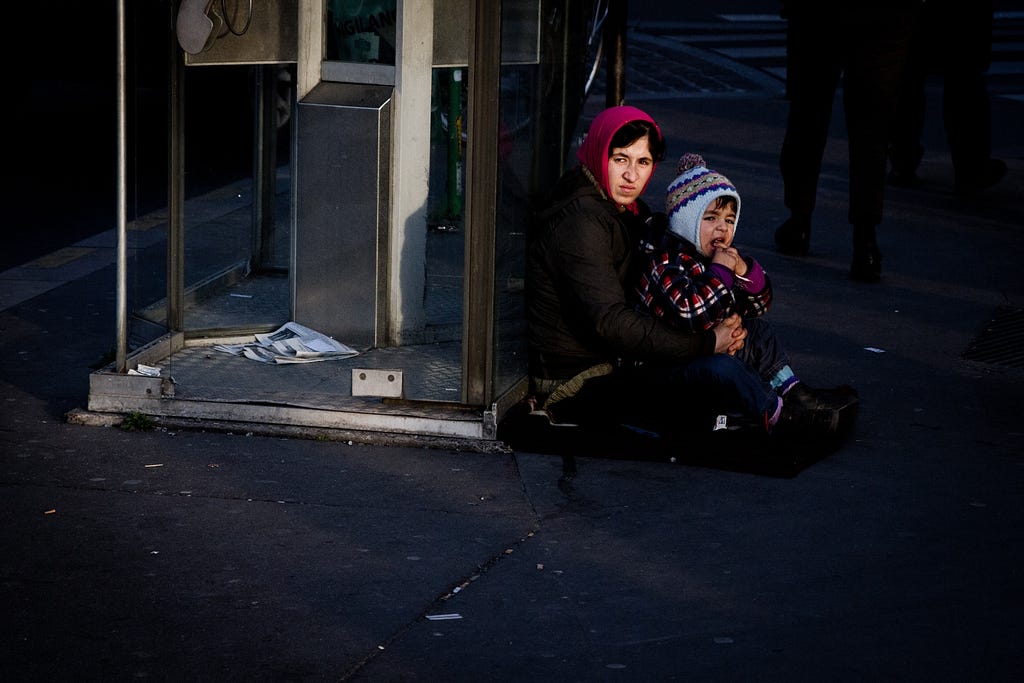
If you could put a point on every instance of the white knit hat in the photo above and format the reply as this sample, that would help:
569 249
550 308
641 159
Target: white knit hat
690 194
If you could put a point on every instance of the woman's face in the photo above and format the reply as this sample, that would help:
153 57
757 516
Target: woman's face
629 169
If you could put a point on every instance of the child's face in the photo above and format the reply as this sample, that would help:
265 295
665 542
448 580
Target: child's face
717 226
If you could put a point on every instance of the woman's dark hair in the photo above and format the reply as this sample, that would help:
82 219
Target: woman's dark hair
633 131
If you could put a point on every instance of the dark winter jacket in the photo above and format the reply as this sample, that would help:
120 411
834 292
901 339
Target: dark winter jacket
581 260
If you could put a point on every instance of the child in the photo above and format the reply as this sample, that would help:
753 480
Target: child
694 278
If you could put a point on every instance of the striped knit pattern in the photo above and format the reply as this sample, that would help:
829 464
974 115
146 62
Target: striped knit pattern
689 195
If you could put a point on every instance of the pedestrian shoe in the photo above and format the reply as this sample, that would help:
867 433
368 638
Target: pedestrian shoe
794 236
810 398
867 263
991 173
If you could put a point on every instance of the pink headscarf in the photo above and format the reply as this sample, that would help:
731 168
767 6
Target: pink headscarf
593 153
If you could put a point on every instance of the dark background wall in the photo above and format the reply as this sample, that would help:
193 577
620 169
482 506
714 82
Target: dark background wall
62 143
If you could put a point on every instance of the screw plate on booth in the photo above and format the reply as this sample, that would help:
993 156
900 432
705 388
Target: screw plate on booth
383 383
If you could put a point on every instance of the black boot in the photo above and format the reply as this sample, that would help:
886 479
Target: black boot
867 258
794 236
810 398
973 182
797 422
867 263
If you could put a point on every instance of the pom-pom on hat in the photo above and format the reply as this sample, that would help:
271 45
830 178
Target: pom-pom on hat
690 194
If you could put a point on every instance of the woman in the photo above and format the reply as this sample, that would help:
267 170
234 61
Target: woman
587 342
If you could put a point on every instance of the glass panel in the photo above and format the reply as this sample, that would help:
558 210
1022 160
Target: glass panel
237 223
445 203
146 81
520 39
518 131
236 236
218 188
517 145
361 31
515 151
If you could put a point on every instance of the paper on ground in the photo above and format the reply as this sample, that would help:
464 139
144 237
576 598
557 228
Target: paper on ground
290 343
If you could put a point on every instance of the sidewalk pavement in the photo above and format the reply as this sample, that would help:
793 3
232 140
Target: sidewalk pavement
196 555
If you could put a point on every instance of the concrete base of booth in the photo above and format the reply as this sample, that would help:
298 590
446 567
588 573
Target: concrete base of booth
201 387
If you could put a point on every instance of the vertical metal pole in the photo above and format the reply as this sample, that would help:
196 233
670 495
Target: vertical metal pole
175 180
265 165
615 39
122 197
481 201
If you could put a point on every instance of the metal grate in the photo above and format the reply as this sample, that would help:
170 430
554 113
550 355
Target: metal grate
1001 342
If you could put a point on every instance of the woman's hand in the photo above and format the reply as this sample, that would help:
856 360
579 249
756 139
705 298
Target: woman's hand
730 335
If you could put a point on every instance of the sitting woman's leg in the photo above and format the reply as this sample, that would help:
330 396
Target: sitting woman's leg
667 399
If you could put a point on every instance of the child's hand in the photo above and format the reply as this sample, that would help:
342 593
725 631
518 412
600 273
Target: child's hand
729 257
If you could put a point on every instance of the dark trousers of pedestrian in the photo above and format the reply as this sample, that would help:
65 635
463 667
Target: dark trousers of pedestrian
966 117
867 49
953 42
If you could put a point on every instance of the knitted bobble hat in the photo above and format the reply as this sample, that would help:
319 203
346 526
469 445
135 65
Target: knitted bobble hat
690 194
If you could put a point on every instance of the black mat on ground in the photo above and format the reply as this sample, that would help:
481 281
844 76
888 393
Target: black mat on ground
746 449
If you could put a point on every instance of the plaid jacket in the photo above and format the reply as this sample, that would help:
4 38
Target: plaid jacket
679 285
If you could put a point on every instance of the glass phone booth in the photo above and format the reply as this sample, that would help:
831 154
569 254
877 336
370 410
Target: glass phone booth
362 170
